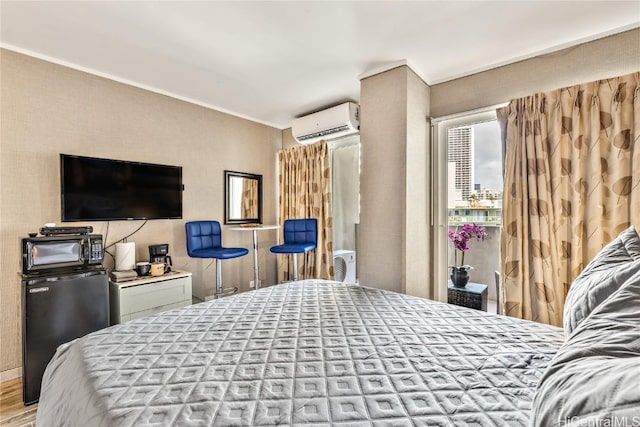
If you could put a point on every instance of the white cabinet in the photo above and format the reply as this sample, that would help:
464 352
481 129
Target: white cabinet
149 295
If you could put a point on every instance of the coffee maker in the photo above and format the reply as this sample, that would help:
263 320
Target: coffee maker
159 253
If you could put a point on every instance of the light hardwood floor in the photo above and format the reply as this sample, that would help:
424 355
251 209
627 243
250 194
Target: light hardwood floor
13 413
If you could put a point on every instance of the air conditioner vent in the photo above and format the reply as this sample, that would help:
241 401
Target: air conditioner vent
344 266
339 268
323 133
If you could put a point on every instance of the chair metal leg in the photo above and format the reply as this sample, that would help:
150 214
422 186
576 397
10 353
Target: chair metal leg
218 278
295 266
220 291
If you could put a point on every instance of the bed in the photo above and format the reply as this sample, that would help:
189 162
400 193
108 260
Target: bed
312 352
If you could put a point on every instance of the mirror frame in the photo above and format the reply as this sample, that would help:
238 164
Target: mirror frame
227 179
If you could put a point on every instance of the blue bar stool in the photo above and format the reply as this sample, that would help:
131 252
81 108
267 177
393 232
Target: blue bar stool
204 240
300 236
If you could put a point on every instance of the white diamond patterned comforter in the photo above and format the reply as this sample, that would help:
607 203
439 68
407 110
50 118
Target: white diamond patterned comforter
303 353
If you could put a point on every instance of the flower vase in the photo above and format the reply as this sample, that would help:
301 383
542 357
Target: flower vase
459 276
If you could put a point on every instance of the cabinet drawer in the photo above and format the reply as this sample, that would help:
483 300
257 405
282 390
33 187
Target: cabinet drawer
156 310
154 295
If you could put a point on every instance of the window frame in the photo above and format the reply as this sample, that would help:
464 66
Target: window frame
439 180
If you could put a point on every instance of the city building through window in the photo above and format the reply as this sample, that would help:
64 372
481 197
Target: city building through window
474 181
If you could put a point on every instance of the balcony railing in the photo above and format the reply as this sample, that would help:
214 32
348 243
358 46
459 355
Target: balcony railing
484 220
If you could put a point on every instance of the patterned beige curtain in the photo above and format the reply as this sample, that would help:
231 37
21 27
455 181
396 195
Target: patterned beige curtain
572 183
305 192
249 198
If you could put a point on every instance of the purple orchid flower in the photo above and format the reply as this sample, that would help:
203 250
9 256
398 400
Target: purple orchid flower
460 239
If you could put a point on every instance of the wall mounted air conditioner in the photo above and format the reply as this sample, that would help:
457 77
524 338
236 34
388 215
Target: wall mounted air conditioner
344 266
343 119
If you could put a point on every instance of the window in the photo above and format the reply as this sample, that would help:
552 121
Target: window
468 163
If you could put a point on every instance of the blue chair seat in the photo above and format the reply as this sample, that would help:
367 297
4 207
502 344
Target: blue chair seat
300 236
293 248
221 253
204 240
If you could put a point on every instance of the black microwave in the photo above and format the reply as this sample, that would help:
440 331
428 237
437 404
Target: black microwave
55 253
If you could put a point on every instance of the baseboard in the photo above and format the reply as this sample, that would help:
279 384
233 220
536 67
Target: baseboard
10 374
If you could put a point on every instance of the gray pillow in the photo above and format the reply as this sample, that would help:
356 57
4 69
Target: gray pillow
601 277
594 379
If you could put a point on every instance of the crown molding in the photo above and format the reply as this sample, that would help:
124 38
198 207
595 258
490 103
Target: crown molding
390 66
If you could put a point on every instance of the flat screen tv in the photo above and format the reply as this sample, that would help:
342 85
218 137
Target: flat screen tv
101 189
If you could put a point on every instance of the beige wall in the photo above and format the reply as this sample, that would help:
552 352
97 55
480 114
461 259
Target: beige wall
48 109
417 190
287 139
604 58
393 184
383 100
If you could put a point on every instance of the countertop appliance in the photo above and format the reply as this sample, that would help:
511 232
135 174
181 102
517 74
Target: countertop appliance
56 308
159 253
61 252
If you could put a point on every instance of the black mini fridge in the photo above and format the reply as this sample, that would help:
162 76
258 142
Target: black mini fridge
58 308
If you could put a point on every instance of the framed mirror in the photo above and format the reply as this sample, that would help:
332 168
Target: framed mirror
242 198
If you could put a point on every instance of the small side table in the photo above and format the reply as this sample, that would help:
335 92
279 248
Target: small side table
473 295
256 272
144 296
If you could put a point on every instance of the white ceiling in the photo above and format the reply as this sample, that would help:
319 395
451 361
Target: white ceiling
272 61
